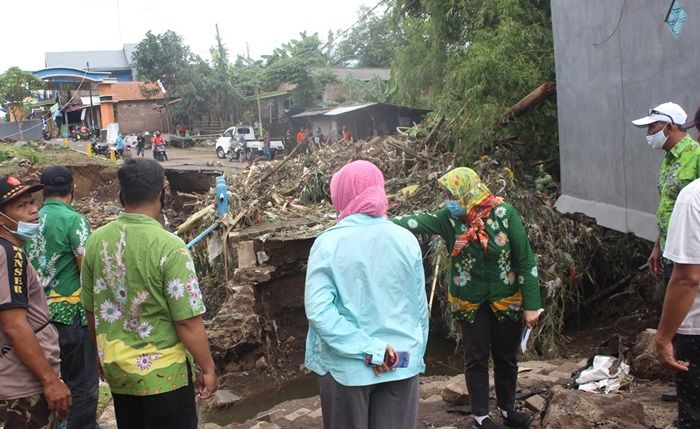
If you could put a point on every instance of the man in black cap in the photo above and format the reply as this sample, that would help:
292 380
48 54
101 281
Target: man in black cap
56 253
31 391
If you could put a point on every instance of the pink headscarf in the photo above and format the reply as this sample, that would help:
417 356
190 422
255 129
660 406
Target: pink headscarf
358 187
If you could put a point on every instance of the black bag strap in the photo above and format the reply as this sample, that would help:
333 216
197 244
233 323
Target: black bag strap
6 348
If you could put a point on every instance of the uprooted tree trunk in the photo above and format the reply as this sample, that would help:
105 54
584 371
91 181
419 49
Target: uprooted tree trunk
531 100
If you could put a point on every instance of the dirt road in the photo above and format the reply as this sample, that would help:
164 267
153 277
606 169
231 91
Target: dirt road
190 159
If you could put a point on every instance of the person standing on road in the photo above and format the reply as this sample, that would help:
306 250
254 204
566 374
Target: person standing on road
144 308
493 287
141 144
367 309
681 165
56 253
678 337
120 144
31 390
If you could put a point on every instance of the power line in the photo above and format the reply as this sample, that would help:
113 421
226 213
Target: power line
362 18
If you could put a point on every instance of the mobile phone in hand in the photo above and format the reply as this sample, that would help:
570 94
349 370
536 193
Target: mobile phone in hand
401 360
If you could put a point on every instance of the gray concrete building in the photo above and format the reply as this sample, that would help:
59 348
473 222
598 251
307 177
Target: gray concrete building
615 59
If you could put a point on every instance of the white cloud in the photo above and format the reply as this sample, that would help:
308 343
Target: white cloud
44 26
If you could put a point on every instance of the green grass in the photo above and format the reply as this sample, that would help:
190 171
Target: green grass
29 153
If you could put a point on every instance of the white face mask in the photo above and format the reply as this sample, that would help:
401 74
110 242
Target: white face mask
658 140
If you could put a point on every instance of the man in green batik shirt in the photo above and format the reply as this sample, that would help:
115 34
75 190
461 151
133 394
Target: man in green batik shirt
144 307
681 165
56 253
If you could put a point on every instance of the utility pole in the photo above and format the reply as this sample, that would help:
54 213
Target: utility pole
221 48
92 118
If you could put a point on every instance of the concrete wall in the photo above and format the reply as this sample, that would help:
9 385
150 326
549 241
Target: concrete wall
27 130
614 60
138 116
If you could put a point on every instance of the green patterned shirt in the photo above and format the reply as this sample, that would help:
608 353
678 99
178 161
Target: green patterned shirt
680 166
505 275
62 236
138 280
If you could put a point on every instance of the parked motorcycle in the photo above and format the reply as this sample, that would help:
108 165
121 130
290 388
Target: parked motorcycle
84 133
99 148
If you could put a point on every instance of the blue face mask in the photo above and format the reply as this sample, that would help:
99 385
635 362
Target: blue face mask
25 230
455 209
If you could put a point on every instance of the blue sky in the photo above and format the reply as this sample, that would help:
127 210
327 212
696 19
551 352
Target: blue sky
43 26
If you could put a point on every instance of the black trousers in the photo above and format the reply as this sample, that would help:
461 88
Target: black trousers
499 339
79 371
172 410
688 383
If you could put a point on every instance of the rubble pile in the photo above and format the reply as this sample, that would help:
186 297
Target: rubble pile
581 265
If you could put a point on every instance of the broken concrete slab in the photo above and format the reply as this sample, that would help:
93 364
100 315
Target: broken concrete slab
272 415
536 403
301 412
246 254
570 367
317 413
456 392
432 399
576 409
224 398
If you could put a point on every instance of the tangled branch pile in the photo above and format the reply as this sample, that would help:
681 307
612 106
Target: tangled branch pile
578 260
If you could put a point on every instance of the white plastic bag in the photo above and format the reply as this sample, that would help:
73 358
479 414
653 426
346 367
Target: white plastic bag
598 378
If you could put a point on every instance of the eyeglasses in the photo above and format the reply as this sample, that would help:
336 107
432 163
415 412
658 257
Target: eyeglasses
656 112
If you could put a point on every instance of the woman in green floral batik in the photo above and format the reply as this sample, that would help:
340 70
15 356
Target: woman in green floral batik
493 288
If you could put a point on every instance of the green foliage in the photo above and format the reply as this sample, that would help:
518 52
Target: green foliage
16 85
487 55
370 43
197 87
373 91
162 57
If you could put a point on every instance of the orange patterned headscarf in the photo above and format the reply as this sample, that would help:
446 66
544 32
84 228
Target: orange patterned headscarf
466 186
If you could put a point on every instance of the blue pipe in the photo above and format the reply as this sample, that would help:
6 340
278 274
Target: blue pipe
204 233
221 196
221 209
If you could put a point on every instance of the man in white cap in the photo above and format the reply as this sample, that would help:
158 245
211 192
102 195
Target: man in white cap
681 165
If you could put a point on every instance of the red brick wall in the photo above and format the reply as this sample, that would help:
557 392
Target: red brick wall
139 116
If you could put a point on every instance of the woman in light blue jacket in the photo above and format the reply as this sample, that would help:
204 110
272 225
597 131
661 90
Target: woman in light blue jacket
367 309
